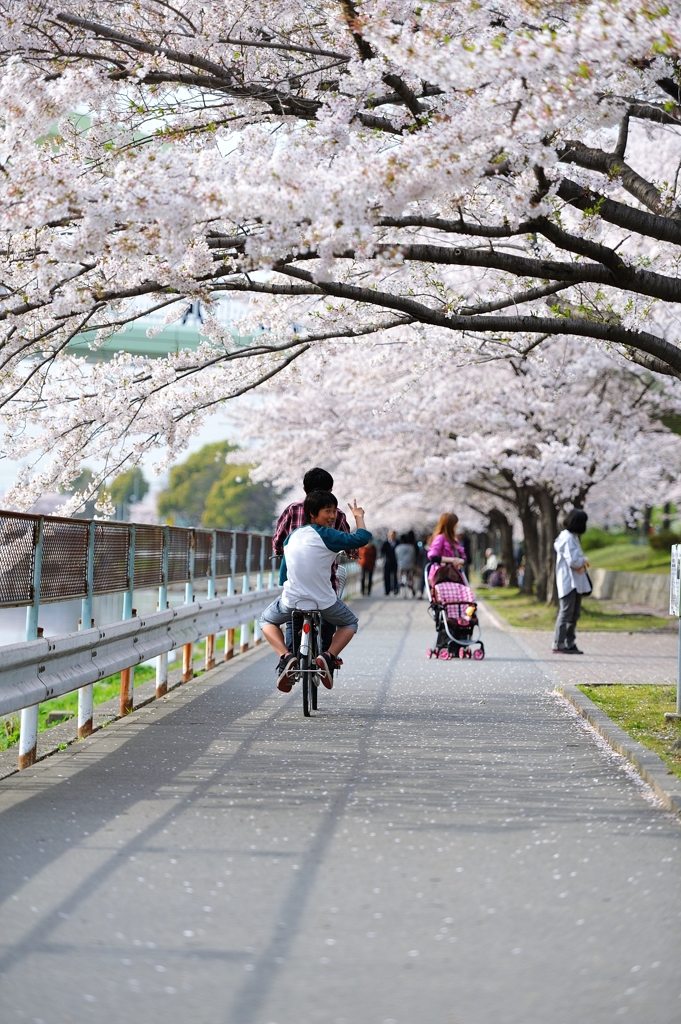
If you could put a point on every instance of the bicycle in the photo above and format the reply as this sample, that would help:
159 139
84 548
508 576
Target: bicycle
306 638
406 583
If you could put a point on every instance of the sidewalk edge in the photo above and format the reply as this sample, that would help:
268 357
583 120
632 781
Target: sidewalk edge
652 768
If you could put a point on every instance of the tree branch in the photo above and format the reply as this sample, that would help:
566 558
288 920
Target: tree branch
615 167
668 354
652 225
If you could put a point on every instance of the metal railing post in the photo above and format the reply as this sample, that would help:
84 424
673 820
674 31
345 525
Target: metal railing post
257 632
188 649
86 693
162 659
128 674
28 736
210 640
245 587
229 635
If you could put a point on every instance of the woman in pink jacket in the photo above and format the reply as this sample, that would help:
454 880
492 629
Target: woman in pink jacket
444 548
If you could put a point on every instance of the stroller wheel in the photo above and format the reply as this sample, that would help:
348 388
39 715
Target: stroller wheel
479 654
462 652
444 654
429 653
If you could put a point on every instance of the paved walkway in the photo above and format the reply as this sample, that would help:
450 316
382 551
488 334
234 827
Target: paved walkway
609 657
445 843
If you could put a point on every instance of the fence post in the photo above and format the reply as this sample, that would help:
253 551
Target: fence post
85 694
210 640
28 736
257 632
128 674
245 587
229 635
188 649
162 659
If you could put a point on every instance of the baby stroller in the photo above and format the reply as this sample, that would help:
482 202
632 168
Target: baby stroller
452 604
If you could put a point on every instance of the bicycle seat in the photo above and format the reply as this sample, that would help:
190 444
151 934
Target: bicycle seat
306 605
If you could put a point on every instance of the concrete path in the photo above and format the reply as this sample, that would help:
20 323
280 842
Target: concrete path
610 657
445 843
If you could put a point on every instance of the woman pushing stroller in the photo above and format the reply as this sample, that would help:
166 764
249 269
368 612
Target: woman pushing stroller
444 548
452 602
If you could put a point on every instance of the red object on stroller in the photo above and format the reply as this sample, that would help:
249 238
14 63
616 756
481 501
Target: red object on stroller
454 608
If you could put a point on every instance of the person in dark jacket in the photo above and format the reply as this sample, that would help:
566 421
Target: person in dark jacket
390 563
367 561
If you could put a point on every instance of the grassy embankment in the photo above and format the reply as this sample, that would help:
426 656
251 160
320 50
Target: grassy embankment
527 613
627 557
103 691
639 710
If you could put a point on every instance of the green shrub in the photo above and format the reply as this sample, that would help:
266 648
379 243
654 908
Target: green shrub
595 538
663 541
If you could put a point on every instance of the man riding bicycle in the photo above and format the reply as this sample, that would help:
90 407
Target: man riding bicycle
309 553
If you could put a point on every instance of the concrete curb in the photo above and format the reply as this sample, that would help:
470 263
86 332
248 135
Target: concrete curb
652 768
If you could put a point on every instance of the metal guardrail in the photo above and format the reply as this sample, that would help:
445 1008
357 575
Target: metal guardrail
50 667
46 559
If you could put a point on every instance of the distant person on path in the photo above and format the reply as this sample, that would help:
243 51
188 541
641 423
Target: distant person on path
572 581
421 558
444 549
389 563
404 555
292 518
367 562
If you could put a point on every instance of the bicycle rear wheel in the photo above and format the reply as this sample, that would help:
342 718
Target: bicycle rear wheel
308 685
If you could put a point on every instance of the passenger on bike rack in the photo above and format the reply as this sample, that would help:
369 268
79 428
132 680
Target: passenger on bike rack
309 553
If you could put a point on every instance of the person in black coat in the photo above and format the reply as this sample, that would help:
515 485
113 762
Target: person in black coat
390 563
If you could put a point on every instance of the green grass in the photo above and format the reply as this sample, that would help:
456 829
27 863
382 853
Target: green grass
102 691
528 613
627 557
639 710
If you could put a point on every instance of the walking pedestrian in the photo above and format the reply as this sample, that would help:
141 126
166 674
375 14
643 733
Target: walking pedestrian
390 563
367 561
572 581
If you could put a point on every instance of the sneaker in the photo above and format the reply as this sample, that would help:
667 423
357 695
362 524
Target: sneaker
328 663
286 670
573 650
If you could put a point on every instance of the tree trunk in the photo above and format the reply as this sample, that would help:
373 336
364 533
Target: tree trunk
528 578
548 533
499 521
532 557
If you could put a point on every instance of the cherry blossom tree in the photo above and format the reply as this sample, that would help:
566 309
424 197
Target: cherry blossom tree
514 440
498 173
